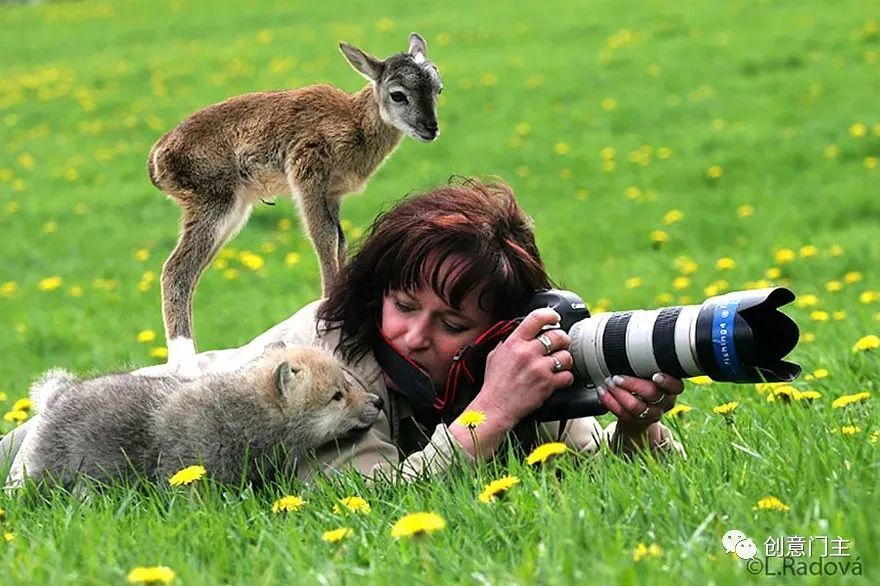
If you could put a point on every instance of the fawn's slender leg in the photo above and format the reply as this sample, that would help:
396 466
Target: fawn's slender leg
204 231
309 184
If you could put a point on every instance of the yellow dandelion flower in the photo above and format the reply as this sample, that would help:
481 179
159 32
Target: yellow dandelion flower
471 418
50 283
285 224
833 286
679 410
808 300
680 283
251 260
642 551
288 504
770 503
870 342
819 315
160 352
725 264
808 337
831 151
609 104
633 283
745 210
871 162
608 166
852 277
715 172
808 250
700 380
858 130
151 575
807 396
8 289
773 273
820 373
607 153
15 416
142 254
230 274
663 153
417 524
784 255
850 430
658 237
354 504
24 404
497 488
146 336
838 315
845 400
875 437
836 250
561 148
292 259
672 217
336 535
75 291
765 387
545 451
869 297
523 129
187 476
785 393
9 537
725 409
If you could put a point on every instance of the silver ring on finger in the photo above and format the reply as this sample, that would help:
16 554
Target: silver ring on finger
545 341
557 366
644 414
658 401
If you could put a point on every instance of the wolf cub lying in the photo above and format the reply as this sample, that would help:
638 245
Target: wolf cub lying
248 424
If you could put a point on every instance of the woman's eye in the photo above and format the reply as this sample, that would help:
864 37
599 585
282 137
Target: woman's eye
403 307
337 396
454 329
398 97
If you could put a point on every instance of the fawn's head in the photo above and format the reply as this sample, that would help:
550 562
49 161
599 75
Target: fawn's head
406 86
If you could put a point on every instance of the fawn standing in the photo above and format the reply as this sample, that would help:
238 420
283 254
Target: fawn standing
317 143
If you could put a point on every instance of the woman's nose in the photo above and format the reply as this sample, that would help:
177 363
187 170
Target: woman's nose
418 335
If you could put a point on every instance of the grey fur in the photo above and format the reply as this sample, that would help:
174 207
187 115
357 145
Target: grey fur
250 424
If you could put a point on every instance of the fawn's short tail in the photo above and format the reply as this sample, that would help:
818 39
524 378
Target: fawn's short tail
49 386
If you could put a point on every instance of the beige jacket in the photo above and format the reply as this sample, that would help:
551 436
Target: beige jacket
396 447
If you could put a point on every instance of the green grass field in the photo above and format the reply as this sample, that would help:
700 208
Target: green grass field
747 132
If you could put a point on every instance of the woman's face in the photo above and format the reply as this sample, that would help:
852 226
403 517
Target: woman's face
428 331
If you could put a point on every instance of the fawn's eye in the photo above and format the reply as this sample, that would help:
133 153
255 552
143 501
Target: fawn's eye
337 396
399 97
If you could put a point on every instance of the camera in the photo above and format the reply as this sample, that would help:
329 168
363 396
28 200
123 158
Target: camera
738 337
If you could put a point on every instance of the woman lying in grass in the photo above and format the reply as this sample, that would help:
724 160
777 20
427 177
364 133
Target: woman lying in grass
434 273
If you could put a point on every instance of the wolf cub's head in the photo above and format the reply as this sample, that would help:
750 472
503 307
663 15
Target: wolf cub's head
316 396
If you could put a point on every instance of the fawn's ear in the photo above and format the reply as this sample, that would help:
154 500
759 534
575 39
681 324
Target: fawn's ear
284 375
418 48
364 63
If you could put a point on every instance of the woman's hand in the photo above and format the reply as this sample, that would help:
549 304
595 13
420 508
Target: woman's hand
521 373
524 370
639 404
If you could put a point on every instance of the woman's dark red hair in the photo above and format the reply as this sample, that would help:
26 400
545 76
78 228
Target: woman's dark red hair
480 225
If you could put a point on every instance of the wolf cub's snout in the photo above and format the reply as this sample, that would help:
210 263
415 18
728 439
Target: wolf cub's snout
250 424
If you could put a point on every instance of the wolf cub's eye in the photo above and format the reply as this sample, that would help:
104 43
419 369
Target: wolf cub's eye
337 396
399 97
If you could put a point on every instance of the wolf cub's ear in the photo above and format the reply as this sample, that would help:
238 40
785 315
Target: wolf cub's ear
284 377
